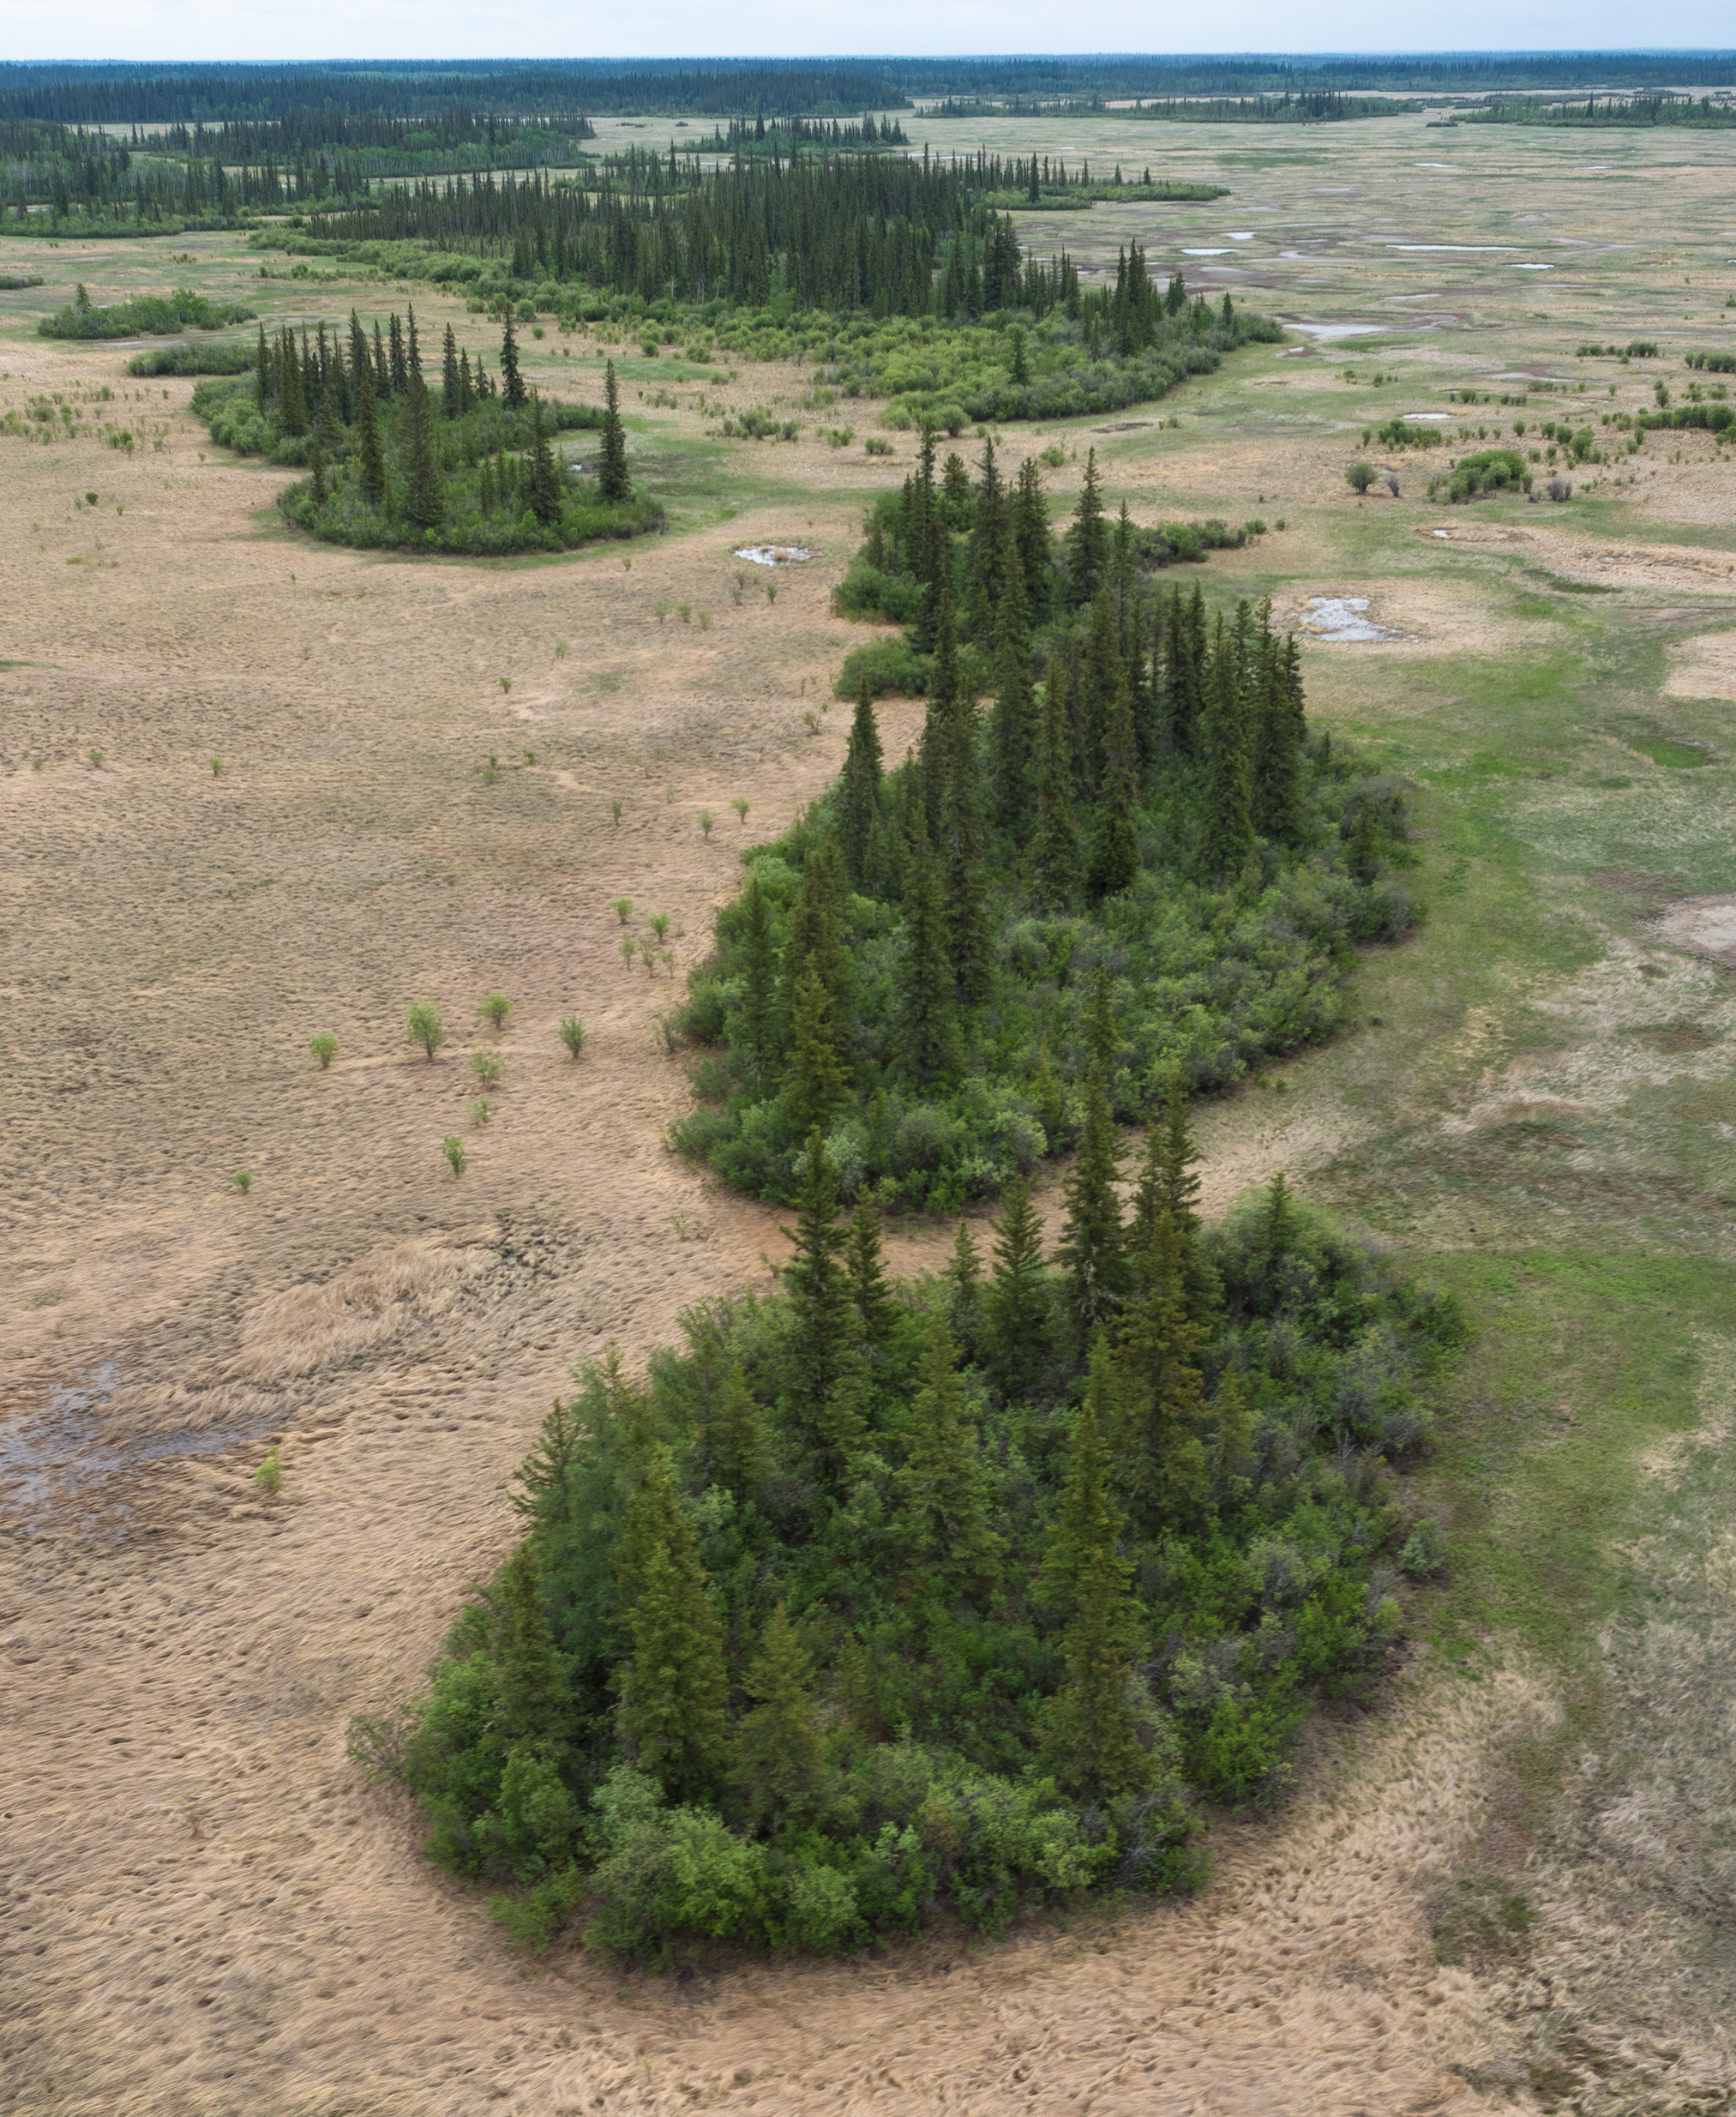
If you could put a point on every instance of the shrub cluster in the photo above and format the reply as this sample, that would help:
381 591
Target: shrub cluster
885 1602
1476 476
146 316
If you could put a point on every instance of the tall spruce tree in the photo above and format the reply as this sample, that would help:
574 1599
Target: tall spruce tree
1089 1520
1088 541
396 362
779 1755
929 1038
817 1083
943 1490
1020 1311
1030 533
735 1444
1090 1740
859 789
820 1363
1115 859
424 496
1281 730
674 1685
876 1311
1055 843
1162 1453
1092 1253
985 558
451 388
370 449
1229 837
532 1692
544 482
1014 740
514 393
613 484
761 1044
814 939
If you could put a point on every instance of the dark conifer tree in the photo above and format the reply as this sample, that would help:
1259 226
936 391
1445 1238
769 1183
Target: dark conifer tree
382 372
818 1084
1162 1451
291 397
424 497
731 1436
1019 1307
544 482
1014 736
1089 1520
674 1686
413 351
1055 845
613 484
877 1313
821 1399
759 1017
1092 1254
964 1277
1115 840
928 1040
467 394
452 392
859 789
370 450
943 1520
1228 838
1088 541
395 361
1277 744
1030 528
263 389
1091 1738
780 1756
985 557
514 393
814 939
532 1690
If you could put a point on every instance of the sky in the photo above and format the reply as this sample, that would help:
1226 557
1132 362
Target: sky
326 29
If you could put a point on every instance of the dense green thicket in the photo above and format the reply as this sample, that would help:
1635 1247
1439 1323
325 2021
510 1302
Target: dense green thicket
885 1602
146 315
1617 112
234 357
475 468
910 967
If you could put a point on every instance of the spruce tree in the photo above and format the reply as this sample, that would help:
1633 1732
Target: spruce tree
820 1358
985 558
424 496
370 452
292 396
963 1275
758 1015
929 1038
466 392
817 1081
1055 844
1020 1312
1030 531
1280 731
1228 838
514 393
613 484
1089 1520
1114 858
382 372
1169 1184
779 1755
735 1443
858 799
544 479
1088 541
1162 1451
1090 1740
1101 675
545 1473
262 372
395 361
1092 1253
451 388
876 1311
942 1485
413 351
814 939
533 1687
1014 742
674 1685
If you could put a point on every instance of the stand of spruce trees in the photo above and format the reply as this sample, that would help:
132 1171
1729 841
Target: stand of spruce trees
910 967
881 1602
473 467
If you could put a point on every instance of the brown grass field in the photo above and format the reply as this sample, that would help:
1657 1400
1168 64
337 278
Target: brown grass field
204 1910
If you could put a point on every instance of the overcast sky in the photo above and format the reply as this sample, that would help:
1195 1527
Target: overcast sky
322 29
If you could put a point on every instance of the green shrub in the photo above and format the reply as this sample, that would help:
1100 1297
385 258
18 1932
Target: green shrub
571 1035
422 1026
146 315
324 1047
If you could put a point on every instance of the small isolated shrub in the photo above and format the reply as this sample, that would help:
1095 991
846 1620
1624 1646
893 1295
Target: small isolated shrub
269 1474
506 685
658 924
452 1148
705 621
615 809
480 1112
877 445
629 949
243 1181
684 611
810 720
424 1027
572 1035
493 1011
488 1067
1359 476
529 756
1560 489
324 1048
1425 1551
707 820
96 760
90 499
772 590
660 609
217 768
560 649
621 907
741 806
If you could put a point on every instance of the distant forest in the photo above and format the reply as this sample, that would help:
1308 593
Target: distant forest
1624 111
126 93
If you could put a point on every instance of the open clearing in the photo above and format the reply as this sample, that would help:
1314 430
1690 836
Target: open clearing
1512 1887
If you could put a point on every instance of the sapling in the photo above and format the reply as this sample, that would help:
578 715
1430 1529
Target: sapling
96 760
615 807
705 821
506 683
493 1011
658 924
572 1035
705 621
628 948
621 906
529 756
324 1048
560 648
425 1026
453 1147
488 1067
269 1474
770 590
741 806
480 1112
243 1181
684 611
216 767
